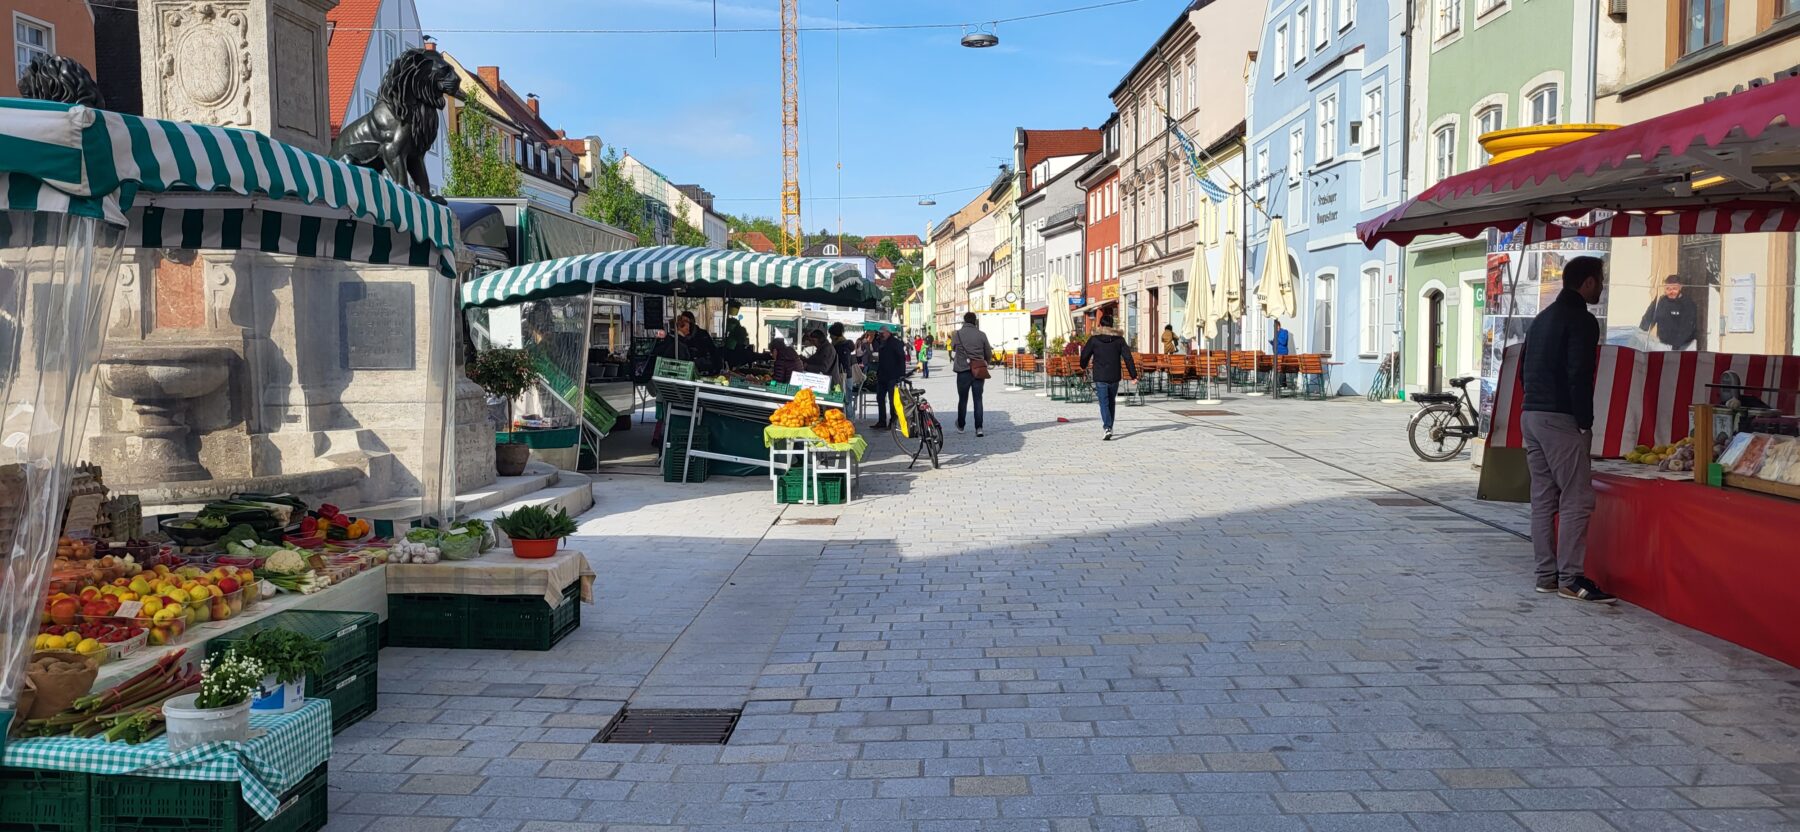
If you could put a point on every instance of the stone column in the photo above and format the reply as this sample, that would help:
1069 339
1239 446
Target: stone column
258 64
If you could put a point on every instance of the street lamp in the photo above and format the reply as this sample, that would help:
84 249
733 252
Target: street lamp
925 200
980 40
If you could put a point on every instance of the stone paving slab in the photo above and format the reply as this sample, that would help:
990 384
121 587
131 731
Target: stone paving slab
1208 624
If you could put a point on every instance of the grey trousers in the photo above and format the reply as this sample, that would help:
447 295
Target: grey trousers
1562 493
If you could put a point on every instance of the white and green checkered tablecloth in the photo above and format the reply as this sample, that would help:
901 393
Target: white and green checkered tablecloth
291 745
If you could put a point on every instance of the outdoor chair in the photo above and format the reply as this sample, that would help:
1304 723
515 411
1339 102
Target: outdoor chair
1315 376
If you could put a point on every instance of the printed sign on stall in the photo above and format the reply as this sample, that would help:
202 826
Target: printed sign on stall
819 382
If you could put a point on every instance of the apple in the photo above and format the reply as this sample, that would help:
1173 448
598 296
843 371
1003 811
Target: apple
228 585
64 611
220 610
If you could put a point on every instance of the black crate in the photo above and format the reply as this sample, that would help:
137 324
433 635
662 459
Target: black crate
351 692
350 639
125 803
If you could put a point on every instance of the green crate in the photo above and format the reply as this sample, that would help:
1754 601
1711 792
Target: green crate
796 489
126 803
696 470
522 622
351 692
427 620
671 368
349 638
40 800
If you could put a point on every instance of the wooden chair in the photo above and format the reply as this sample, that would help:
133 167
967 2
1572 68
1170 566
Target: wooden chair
1315 376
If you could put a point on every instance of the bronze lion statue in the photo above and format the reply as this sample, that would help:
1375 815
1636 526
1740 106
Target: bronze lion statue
59 78
394 136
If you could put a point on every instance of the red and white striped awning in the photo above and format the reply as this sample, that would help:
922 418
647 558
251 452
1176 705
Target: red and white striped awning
1730 165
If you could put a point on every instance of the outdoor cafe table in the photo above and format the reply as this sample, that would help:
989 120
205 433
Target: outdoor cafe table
496 572
265 766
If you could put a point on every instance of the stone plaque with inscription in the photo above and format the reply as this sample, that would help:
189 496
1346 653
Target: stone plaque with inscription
375 326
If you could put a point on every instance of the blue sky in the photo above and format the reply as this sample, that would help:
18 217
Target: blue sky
920 113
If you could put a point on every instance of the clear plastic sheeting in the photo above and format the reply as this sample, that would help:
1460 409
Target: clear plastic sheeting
57 277
243 371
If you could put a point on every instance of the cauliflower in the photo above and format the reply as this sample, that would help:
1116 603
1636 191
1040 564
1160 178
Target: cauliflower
286 562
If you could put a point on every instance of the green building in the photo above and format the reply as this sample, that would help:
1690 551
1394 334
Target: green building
1479 66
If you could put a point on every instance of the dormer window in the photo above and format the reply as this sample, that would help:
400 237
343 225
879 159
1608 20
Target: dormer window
831 250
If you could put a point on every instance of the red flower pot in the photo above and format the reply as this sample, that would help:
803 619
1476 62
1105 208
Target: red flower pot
534 548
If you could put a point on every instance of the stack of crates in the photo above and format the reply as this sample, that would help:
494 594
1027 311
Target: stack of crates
490 622
797 488
352 642
35 800
675 438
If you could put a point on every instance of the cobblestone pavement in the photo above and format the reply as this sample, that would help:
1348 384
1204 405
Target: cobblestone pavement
1189 628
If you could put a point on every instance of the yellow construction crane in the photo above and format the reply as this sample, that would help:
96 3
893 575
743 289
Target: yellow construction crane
790 128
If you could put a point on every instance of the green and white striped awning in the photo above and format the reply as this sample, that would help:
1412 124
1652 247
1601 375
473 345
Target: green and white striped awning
683 270
179 185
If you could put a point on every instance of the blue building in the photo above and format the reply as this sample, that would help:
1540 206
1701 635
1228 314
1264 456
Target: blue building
1326 138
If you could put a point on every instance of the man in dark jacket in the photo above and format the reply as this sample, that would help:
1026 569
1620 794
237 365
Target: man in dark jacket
890 367
1674 316
1107 352
1558 371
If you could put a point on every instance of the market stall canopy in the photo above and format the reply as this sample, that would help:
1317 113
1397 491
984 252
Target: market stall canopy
179 185
1730 165
880 326
679 270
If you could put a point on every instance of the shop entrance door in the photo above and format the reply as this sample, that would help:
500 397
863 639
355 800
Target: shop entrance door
1434 345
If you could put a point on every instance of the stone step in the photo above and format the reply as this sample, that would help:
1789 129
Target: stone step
503 490
574 492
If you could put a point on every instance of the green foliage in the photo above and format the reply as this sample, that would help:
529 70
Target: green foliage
888 250
503 373
536 523
1034 341
1056 345
478 166
614 200
685 233
286 654
907 277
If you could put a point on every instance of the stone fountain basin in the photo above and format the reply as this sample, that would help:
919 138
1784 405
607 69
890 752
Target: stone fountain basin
148 372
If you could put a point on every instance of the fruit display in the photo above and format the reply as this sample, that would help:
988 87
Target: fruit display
835 428
802 412
1675 456
100 640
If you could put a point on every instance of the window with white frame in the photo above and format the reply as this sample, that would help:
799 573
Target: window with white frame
1371 303
390 50
1322 26
1449 17
1325 310
1371 120
31 38
1346 13
1180 94
1193 82
1486 6
1544 105
1443 152
1192 184
1262 164
1300 29
1281 49
1487 120
1296 174
1328 122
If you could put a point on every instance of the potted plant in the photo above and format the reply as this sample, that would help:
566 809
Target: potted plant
287 658
506 374
221 710
534 531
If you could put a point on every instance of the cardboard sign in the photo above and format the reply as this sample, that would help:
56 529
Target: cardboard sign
819 382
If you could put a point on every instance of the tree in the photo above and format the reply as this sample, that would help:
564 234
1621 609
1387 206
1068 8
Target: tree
478 164
907 277
615 201
887 250
684 232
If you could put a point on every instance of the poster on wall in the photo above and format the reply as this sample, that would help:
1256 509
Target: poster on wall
1520 282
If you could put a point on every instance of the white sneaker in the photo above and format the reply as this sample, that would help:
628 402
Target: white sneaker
1108 436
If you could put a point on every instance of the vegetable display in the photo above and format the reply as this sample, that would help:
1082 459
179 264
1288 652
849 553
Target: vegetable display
802 412
130 711
284 654
835 428
536 523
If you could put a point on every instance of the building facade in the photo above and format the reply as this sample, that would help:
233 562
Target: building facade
665 202
1327 146
1099 185
942 270
1666 55
46 27
1049 212
1479 67
1038 157
550 171
365 38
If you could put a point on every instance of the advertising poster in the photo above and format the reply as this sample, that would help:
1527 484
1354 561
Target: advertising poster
1520 282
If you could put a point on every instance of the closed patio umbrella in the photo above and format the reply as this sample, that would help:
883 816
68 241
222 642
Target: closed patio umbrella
1200 314
1276 289
1228 299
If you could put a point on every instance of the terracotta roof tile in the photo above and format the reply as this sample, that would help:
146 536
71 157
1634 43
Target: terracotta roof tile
351 20
756 240
884 264
1048 144
902 240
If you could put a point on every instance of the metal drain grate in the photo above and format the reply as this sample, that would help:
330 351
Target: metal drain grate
1204 412
1398 501
809 521
670 726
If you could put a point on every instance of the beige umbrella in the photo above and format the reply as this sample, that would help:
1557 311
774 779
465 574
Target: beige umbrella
1058 322
1276 289
1200 315
1228 301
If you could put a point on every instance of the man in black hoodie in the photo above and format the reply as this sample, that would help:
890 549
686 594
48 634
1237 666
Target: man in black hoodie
1107 352
1557 368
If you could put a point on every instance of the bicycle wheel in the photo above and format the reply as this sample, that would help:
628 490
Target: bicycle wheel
933 435
1439 432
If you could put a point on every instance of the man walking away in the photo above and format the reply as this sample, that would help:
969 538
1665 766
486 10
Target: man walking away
1673 317
890 367
1558 371
1107 352
966 344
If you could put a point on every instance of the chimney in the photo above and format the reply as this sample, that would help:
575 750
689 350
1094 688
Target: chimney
531 100
430 44
490 77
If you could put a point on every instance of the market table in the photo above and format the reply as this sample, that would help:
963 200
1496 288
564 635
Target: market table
730 418
1718 560
290 746
496 572
789 443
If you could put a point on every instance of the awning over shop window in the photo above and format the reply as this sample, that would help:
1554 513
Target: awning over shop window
175 184
1726 166
1096 306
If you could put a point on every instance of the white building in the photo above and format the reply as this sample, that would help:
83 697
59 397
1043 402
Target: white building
669 201
365 38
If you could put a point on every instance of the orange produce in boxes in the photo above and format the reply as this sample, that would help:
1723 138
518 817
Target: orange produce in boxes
802 412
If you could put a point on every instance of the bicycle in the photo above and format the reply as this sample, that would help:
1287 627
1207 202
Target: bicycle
1445 423
915 427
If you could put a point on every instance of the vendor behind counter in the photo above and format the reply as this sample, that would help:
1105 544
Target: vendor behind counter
688 342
